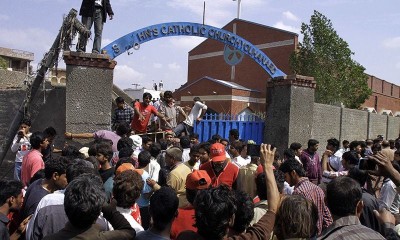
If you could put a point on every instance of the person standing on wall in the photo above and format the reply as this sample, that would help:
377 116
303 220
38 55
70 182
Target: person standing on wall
94 12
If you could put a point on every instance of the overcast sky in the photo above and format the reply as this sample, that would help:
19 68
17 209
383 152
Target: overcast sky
370 27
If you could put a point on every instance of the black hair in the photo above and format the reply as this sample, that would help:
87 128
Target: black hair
312 142
77 168
127 188
125 152
216 138
146 139
334 143
214 208
351 157
9 188
194 149
261 187
92 149
295 146
122 129
71 152
206 146
345 142
105 149
83 201
124 142
244 211
38 175
194 135
144 158
155 150
147 95
36 139
119 100
26 121
289 153
360 176
191 195
280 180
49 132
184 142
290 165
343 194
55 166
163 207
124 160
167 94
354 144
238 145
234 133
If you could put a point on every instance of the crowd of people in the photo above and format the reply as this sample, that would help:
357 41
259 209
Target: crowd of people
127 185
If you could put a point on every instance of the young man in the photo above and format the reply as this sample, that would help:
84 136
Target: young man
204 151
194 160
235 150
185 145
122 114
170 111
196 114
219 168
194 139
103 156
11 198
311 162
144 198
49 133
143 111
21 146
33 160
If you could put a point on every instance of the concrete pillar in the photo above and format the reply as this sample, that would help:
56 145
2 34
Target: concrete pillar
88 91
290 110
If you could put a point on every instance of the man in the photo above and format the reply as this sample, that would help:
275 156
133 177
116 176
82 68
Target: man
311 163
103 156
143 111
296 147
178 174
194 139
144 199
220 170
194 157
33 160
185 145
49 133
332 157
245 180
196 114
170 111
235 150
11 198
195 181
344 201
21 146
163 210
233 135
389 153
83 202
94 11
55 179
122 114
296 176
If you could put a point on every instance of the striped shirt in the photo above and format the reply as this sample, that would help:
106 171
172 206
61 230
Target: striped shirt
314 193
349 228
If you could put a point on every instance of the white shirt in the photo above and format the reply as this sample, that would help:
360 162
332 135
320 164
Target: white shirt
185 154
22 148
240 161
389 198
336 161
98 2
153 169
127 214
195 113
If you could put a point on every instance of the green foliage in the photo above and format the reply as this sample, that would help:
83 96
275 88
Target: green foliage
327 57
3 63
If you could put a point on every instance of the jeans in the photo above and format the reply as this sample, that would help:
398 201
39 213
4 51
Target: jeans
17 171
97 19
183 127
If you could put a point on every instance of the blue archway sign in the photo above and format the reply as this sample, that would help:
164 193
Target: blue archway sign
136 38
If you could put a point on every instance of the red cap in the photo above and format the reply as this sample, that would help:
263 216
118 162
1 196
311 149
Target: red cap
197 180
124 167
217 152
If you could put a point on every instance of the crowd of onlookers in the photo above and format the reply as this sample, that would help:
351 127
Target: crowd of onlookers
124 186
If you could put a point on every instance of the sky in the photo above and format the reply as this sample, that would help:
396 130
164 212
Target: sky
370 27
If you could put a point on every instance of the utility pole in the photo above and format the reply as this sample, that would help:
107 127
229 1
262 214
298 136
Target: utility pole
238 8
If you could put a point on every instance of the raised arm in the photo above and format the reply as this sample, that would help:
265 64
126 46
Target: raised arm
70 135
267 158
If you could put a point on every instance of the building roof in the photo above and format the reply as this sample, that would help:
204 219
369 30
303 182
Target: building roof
222 82
258 24
15 53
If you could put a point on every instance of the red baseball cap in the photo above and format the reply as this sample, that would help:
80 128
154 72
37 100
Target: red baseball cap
124 167
217 152
197 180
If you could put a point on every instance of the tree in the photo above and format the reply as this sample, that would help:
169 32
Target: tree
3 63
327 57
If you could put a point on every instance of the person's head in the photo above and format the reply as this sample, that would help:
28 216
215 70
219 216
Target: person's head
214 211
50 133
296 217
163 207
184 142
296 147
233 135
369 142
244 211
55 171
288 154
196 99
71 152
147 98
385 144
343 196
83 200
345 144
169 136
224 142
79 167
128 186
124 142
144 158
168 96
332 144
120 102
104 153
25 125
146 142
360 176
38 141
349 160
122 129
172 156
194 153
261 187
392 144
194 138
216 138
155 150
236 148
121 161
195 181
376 147
11 194
38 175
217 152
355 146
125 152
293 171
312 145
204 150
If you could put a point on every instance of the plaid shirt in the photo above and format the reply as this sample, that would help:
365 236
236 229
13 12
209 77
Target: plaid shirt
314 193
349 228
122 115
